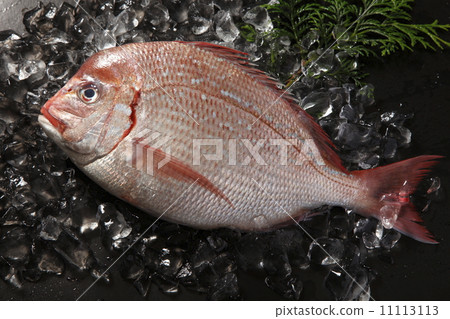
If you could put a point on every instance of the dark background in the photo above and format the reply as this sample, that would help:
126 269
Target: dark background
416 82
420 82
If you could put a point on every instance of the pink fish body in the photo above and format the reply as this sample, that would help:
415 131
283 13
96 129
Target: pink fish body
191 131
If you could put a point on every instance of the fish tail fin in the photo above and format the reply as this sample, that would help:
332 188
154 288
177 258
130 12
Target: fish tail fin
389 188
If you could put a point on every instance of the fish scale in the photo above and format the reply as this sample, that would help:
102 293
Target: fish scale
177 93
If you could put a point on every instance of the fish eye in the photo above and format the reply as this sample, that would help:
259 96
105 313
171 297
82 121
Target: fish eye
88 93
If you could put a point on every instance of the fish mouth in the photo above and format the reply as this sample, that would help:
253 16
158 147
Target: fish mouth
58 124
48 127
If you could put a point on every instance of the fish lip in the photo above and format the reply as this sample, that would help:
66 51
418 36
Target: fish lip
46 124
56 123
50 130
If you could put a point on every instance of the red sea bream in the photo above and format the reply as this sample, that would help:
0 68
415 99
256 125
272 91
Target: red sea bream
192 131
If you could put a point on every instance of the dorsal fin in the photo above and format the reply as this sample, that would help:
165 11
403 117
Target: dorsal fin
240 59
323 143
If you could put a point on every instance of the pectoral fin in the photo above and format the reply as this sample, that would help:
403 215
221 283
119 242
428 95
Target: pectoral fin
163 165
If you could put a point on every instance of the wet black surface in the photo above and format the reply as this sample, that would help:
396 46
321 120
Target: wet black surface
420 82
224 262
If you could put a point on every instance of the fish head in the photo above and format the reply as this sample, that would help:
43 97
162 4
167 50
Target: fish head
95 110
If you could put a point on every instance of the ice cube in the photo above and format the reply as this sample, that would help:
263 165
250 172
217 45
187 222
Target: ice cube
317 225
200 16
170 264
107 5
339 226
321 62
390 147
16 181
401 134
50 262
65 17
225 288
390 239
290 241
311 38
223 263
317 104
24 200
326 251
100 273
125 22
338 96
351 256
113 224
167 286
33 20
233 6
350 285
17 90
342 36
372 119
365 225
203 255
276 263
202 8
157 13
125 4
289 287
370 240
2 127
259 18
389 214
50 229
352 136
58 70
83 27
226 30
250 250
56 36
85 219
10 275
15 154
178 9
370 161
395 118
8 66
132 267
10 113
35 70
379 230
365 95
104 40
349 113
143 283
435 185
185 271
15 245
200 25
285 41
9 39
74 252
217 243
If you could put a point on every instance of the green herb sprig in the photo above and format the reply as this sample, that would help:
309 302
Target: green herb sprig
360 28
